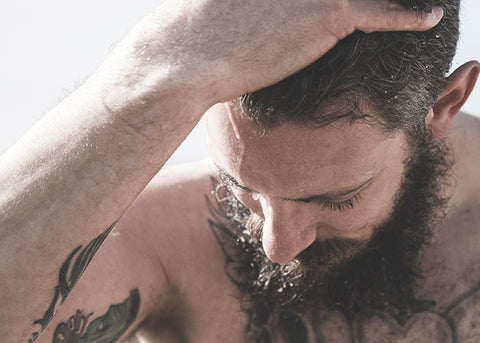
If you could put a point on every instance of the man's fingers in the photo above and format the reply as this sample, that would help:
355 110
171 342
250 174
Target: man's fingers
395 18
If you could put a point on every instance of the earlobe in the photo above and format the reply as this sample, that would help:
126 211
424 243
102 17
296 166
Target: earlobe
457 89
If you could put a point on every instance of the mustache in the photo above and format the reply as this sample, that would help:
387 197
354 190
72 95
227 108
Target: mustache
326 252
331 252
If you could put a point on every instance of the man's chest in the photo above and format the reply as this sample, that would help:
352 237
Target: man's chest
459 322
448 313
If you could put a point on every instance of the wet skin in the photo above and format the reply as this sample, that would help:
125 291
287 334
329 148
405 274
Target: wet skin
156 228
338 181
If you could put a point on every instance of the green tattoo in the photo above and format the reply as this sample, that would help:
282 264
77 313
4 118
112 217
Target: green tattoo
69 274
105 329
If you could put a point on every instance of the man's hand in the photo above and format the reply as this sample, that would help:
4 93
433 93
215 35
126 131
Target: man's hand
218 50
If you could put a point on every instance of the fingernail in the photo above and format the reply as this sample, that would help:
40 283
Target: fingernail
437 13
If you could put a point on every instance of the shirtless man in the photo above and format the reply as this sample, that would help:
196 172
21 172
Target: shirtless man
314 229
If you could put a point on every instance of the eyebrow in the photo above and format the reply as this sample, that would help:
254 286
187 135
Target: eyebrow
330 196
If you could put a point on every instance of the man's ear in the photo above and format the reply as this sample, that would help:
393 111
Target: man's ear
458 87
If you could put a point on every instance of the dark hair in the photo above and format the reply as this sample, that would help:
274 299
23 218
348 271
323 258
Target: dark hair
396 75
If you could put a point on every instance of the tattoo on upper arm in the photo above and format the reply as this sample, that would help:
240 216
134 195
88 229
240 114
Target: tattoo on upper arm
104 329
68 276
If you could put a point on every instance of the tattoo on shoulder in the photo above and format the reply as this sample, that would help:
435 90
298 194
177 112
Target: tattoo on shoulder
104 329
71 270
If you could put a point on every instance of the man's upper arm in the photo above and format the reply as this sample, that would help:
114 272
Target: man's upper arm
139 268
122 285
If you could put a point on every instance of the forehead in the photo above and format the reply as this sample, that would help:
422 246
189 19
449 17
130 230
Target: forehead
291 156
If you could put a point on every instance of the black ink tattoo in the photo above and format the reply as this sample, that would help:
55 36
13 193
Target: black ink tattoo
68 276
105 329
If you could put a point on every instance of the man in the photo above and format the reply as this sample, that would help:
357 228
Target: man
193 258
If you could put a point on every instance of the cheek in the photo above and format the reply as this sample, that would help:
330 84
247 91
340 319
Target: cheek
375 207
361 221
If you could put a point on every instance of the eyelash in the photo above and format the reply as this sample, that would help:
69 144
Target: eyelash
332 206
342 205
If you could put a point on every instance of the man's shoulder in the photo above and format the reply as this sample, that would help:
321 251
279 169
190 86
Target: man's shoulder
174 202
176 193
464 138
182 179
170 216
464 133
174 215
452 262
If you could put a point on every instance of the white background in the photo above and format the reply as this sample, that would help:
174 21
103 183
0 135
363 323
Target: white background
49 47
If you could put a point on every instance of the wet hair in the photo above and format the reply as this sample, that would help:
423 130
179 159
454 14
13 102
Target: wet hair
395 75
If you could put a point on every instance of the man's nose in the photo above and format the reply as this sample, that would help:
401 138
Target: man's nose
288 229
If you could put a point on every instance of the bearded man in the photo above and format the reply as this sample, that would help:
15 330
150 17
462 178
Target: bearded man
340 204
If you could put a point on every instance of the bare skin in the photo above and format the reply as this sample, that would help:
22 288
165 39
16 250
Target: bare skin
179 300
166 245
199 310
62 187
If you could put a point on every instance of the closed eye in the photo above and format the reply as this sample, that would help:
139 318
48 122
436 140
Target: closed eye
340 205
331 205
227 180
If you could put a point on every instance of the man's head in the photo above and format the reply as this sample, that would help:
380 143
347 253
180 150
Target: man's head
324 158
347 274
308 184
396 75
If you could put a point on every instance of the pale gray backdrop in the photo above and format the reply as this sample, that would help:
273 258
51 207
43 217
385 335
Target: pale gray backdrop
48 47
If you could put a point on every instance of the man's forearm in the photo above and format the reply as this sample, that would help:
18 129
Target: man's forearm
70 178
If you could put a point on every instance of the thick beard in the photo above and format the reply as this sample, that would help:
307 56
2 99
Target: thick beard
352 276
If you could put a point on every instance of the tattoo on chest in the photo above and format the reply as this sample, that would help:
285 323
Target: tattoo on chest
69 273
458 322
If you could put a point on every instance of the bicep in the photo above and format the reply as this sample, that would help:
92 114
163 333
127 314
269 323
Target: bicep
122 285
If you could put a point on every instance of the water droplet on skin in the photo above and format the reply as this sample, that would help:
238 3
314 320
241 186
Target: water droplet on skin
255 196
143 49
